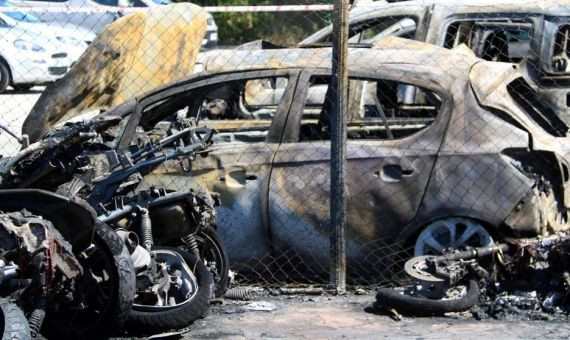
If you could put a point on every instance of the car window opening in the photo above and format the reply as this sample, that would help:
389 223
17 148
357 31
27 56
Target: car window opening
377 109
533 105
240 110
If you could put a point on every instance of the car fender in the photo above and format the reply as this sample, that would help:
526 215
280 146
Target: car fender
408 235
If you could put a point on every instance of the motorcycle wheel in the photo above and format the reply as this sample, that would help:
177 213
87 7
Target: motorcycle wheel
152 317
109 289
214 256
13 322
419 305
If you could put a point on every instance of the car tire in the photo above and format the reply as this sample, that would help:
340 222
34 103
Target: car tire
120 290
13 322
4 76
212 250
415 305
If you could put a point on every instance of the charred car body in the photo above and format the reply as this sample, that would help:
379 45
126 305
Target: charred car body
469 156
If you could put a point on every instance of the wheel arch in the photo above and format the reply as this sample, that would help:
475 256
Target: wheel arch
410 233
5 62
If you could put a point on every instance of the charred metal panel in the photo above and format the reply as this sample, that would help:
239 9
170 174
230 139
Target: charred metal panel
239 173
379 203
74 218
129 57
481 186
38 247
470 177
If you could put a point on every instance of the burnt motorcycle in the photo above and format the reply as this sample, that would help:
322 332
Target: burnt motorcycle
171 236
451 282
57 262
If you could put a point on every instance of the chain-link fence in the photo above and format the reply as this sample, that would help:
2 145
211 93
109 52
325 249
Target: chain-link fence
456 121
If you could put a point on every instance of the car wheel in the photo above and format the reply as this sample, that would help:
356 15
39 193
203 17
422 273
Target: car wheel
454 232
4 77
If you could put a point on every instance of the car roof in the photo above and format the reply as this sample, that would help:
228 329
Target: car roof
389 50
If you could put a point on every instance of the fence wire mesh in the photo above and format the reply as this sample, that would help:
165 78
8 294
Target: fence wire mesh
457 133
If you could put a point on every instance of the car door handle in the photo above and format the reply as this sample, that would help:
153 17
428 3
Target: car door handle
247 178
393 173
237 177
250 177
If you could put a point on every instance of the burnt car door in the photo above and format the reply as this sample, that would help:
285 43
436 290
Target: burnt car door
239 162
392 146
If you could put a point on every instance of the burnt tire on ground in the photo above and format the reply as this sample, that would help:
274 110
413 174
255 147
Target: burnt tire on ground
212 250
13 322
143 321
112 299
416 305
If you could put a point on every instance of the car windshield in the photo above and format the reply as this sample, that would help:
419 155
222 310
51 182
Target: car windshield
161 2
19 16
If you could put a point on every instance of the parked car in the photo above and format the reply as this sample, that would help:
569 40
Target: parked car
77 39
29 57
508 31
95 21
476 154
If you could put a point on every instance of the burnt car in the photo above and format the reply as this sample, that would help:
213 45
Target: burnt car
444 150
508 31
469 154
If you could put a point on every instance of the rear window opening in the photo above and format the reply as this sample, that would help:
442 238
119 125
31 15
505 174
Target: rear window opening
537 108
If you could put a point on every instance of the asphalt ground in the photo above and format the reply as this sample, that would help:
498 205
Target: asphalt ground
345 317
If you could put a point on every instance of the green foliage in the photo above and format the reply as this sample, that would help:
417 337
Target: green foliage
283 28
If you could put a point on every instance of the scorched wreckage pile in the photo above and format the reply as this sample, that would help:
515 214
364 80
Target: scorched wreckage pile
463 159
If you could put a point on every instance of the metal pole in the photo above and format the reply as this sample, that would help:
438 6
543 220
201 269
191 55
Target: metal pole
339 83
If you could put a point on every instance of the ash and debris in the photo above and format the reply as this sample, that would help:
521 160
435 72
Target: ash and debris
548 303
529 282
536 288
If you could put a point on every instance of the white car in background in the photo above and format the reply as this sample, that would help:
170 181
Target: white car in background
108 11
30 57
77 38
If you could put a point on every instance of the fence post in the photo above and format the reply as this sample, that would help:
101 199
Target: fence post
339 83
